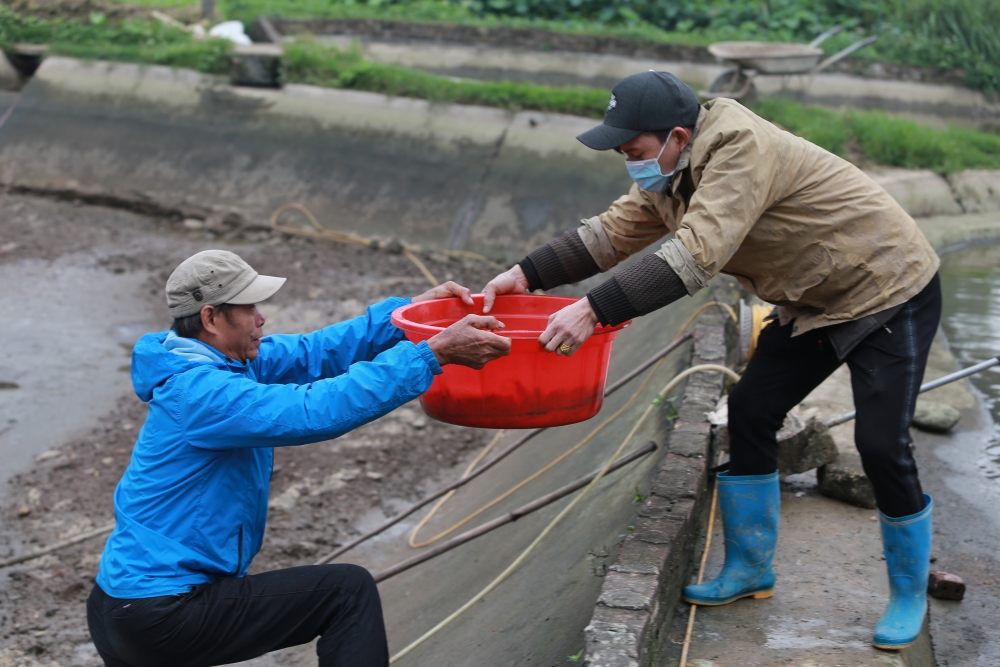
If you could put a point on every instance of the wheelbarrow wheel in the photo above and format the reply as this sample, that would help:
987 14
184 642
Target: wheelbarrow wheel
734 84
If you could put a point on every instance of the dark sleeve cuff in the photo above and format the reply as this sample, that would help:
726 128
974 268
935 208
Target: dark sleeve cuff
610 303
563 260
528 268
640 289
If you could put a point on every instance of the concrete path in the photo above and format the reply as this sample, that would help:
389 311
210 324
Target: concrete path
832 585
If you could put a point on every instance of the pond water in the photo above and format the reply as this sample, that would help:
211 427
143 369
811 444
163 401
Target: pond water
970 280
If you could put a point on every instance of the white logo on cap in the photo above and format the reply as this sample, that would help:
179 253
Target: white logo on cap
612 103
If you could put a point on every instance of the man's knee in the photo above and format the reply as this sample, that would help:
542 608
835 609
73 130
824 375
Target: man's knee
747 411
353 578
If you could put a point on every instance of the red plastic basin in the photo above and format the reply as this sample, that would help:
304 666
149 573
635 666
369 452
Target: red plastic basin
529 388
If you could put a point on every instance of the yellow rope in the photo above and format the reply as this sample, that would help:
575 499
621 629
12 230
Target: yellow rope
559 517
321 232
701 569
447 496
556 461
440 503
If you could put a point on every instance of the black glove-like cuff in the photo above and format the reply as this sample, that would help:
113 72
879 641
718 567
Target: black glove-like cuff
640 289
563 260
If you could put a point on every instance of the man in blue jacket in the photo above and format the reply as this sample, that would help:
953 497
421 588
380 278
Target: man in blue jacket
173 588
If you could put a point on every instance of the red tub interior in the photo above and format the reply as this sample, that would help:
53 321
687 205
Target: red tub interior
530 388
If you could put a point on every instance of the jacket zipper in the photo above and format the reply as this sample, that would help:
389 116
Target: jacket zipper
239 553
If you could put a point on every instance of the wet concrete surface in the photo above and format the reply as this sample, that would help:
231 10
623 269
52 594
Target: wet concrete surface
832 585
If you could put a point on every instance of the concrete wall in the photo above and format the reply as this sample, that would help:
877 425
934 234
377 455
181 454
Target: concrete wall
440 176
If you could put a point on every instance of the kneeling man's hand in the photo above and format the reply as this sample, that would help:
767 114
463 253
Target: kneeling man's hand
469 343
444 291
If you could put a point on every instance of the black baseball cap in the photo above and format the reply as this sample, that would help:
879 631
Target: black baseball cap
645 102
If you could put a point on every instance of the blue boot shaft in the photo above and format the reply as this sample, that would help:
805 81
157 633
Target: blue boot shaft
749 506
907 545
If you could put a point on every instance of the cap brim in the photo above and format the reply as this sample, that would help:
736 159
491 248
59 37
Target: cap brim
261 289
605 137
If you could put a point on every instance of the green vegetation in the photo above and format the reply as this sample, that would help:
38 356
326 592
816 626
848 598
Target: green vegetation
132 40
871 137
311 63
879 139
959 34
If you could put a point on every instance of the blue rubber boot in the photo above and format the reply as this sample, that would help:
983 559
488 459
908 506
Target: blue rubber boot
907 545
749 507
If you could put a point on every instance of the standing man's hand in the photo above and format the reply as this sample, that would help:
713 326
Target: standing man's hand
469 342
511 281
569 328
445 290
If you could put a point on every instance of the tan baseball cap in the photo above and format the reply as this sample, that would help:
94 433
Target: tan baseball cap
215 277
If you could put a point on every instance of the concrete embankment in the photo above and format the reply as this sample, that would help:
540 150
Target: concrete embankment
932 96
176 141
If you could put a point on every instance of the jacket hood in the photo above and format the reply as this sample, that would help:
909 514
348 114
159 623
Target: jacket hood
157 357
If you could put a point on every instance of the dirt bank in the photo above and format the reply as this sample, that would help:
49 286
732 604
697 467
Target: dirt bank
318 492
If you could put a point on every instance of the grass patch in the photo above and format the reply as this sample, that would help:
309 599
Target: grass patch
316 64
881 139
953 34
130 40
870 136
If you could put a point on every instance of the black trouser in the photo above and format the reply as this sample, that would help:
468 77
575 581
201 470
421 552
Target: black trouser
237 619
886 371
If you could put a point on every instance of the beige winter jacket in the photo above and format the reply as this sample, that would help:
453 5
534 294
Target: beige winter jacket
797 226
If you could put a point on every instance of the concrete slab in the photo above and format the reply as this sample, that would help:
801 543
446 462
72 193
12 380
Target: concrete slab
831 590
921 193
977 189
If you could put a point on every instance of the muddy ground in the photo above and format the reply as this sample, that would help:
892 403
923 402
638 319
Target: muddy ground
318 493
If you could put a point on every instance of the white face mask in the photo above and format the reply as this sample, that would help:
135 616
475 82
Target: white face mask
647 174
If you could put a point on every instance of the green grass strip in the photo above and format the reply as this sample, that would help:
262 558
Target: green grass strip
881 139
865 136
311 63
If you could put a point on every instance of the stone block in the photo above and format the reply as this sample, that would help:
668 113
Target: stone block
629 590
977 189
921 193
945 586
934 416
611 645
844 479
256 65
806 449
638 557
689 444
683 478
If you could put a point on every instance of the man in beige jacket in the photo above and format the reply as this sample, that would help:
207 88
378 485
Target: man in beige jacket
853 279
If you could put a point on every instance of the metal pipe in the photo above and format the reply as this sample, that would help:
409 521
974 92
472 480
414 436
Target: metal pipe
934 384
509 517
427 500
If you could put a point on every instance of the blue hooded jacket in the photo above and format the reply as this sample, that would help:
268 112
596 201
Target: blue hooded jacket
192 504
